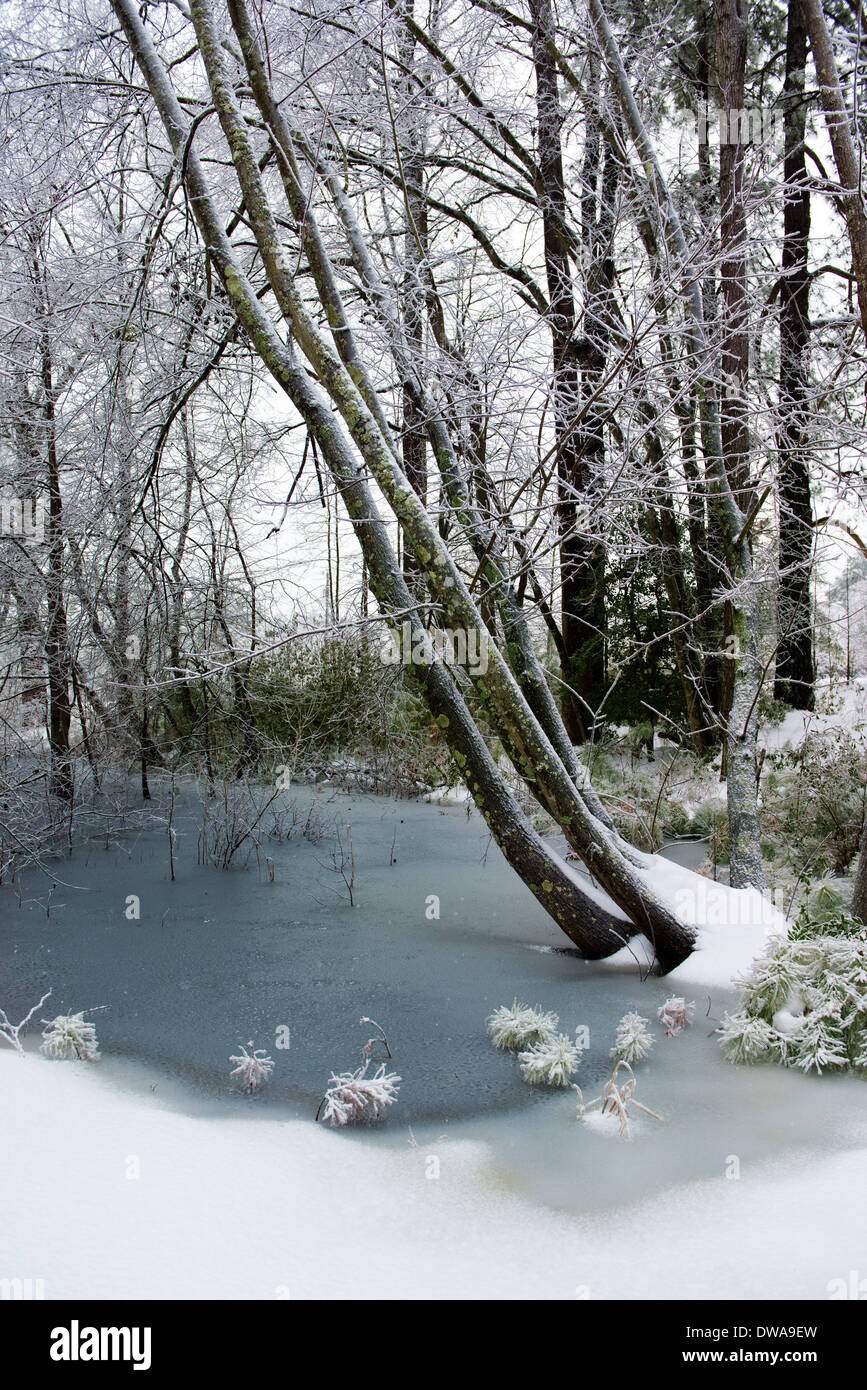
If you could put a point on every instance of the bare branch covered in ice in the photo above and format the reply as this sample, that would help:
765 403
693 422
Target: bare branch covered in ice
11 1032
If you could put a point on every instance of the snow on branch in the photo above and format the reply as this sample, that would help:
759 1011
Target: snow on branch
11 1032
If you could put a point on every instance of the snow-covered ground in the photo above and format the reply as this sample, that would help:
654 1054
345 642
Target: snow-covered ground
845 708
147 1179
111 1195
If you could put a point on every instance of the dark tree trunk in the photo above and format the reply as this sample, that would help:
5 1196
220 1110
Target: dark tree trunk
795 672
732 58
710 567
415 248
582 558
56 629
859 895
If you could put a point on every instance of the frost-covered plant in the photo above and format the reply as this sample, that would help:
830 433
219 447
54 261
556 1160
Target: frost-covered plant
70 1035
804 1005
254 1067
675 1015
615 1100
550 1062
747 1039
353 1095
632 1041
518 1026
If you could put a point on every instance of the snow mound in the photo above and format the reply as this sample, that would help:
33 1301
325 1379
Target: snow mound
149 1203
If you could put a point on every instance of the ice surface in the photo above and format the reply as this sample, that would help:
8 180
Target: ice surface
219 958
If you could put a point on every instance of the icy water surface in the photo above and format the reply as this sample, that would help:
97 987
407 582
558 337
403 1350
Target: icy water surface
217 958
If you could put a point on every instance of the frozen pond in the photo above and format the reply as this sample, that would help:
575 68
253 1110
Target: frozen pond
218 957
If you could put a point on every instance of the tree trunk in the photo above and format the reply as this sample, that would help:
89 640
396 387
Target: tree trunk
747 868
57 658
859 894
795 672
846 156
579 446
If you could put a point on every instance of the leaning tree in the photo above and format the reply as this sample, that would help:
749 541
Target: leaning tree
284 229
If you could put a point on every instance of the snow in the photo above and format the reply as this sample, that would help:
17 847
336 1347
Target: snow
732 925
249 1208
848 711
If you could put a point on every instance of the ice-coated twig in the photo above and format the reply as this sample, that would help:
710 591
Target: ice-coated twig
11 1031
372 1042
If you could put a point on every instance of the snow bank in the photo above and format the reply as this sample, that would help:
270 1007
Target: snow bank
851 712
732 925
109 1195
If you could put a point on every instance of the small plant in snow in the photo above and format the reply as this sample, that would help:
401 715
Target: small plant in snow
70 1035
675 1015
354 1096
615 1101
632 1041
521 1027
550 1062
254 1067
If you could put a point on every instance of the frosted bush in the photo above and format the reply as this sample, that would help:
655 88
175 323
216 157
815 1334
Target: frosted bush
70 1035
746 1039
521 1027
254 1067
550 1062
632 1041
804 1004
675 1015
353 1095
